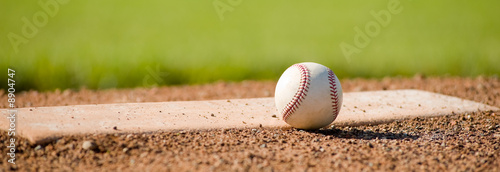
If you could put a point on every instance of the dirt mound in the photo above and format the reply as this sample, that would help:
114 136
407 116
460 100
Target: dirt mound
461 142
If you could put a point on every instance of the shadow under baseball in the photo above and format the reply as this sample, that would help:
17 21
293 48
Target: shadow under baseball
354 133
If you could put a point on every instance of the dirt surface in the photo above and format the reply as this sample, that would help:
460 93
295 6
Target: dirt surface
463 142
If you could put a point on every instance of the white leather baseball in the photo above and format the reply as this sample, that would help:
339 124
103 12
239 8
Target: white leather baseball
308 96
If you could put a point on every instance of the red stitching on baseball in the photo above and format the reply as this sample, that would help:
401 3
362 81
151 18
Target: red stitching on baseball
301 92
334 93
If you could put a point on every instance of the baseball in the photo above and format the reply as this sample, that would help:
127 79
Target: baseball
308 96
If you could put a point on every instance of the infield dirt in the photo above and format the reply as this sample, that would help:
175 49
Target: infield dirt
462 142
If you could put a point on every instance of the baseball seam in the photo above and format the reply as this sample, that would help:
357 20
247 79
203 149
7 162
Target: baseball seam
292 106
333 93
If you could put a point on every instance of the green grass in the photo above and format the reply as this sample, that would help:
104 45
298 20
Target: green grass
106 44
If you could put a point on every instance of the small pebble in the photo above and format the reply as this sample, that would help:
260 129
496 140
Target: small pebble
69 146
89 145
370 145
38 147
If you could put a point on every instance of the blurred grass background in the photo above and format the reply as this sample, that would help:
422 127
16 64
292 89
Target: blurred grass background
107 44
